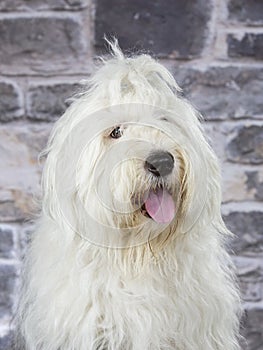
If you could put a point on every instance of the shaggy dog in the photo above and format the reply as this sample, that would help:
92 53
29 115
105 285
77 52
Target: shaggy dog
128 252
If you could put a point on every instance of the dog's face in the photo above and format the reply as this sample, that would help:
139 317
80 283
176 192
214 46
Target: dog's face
136 171
128 169
128 161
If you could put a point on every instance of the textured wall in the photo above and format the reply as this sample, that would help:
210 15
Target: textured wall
215 50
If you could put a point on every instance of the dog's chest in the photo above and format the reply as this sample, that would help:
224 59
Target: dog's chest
142 307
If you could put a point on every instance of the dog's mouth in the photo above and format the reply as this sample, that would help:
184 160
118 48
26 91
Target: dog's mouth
159 205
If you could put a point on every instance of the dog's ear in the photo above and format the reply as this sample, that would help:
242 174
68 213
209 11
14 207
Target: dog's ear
193 190
200 194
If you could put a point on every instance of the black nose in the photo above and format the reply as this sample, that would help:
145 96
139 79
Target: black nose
160 163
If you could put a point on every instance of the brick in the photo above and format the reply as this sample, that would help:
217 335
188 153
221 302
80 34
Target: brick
250 275
8 279
14 5
248 11
241 183
221 93
246 145
37 40
251 291
249 269
247 226
254 183
20 172
162 23
250 45
16 207
11 5
252 329
7 242
10 101
48 102
7 341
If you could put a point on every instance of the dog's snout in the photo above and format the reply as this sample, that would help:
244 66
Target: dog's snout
160 163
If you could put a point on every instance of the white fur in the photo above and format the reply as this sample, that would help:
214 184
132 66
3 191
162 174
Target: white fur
99 278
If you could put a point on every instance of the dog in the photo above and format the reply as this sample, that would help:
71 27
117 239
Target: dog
129 247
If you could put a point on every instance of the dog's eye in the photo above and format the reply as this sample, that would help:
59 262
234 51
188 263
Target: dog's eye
116 133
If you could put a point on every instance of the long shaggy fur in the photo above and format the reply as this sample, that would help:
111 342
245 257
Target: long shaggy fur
88 284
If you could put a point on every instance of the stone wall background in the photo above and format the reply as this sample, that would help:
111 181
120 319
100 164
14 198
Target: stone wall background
215 50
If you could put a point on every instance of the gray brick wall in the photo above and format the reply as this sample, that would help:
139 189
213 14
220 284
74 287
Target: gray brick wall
213 47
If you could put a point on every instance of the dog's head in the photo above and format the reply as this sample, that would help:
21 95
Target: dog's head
128 161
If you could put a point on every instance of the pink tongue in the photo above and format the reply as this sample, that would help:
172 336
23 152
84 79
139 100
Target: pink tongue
160 206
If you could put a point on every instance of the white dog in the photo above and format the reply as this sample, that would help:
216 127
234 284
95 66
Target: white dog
128 252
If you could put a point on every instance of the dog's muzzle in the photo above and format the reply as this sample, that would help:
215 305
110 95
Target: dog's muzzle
159 203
